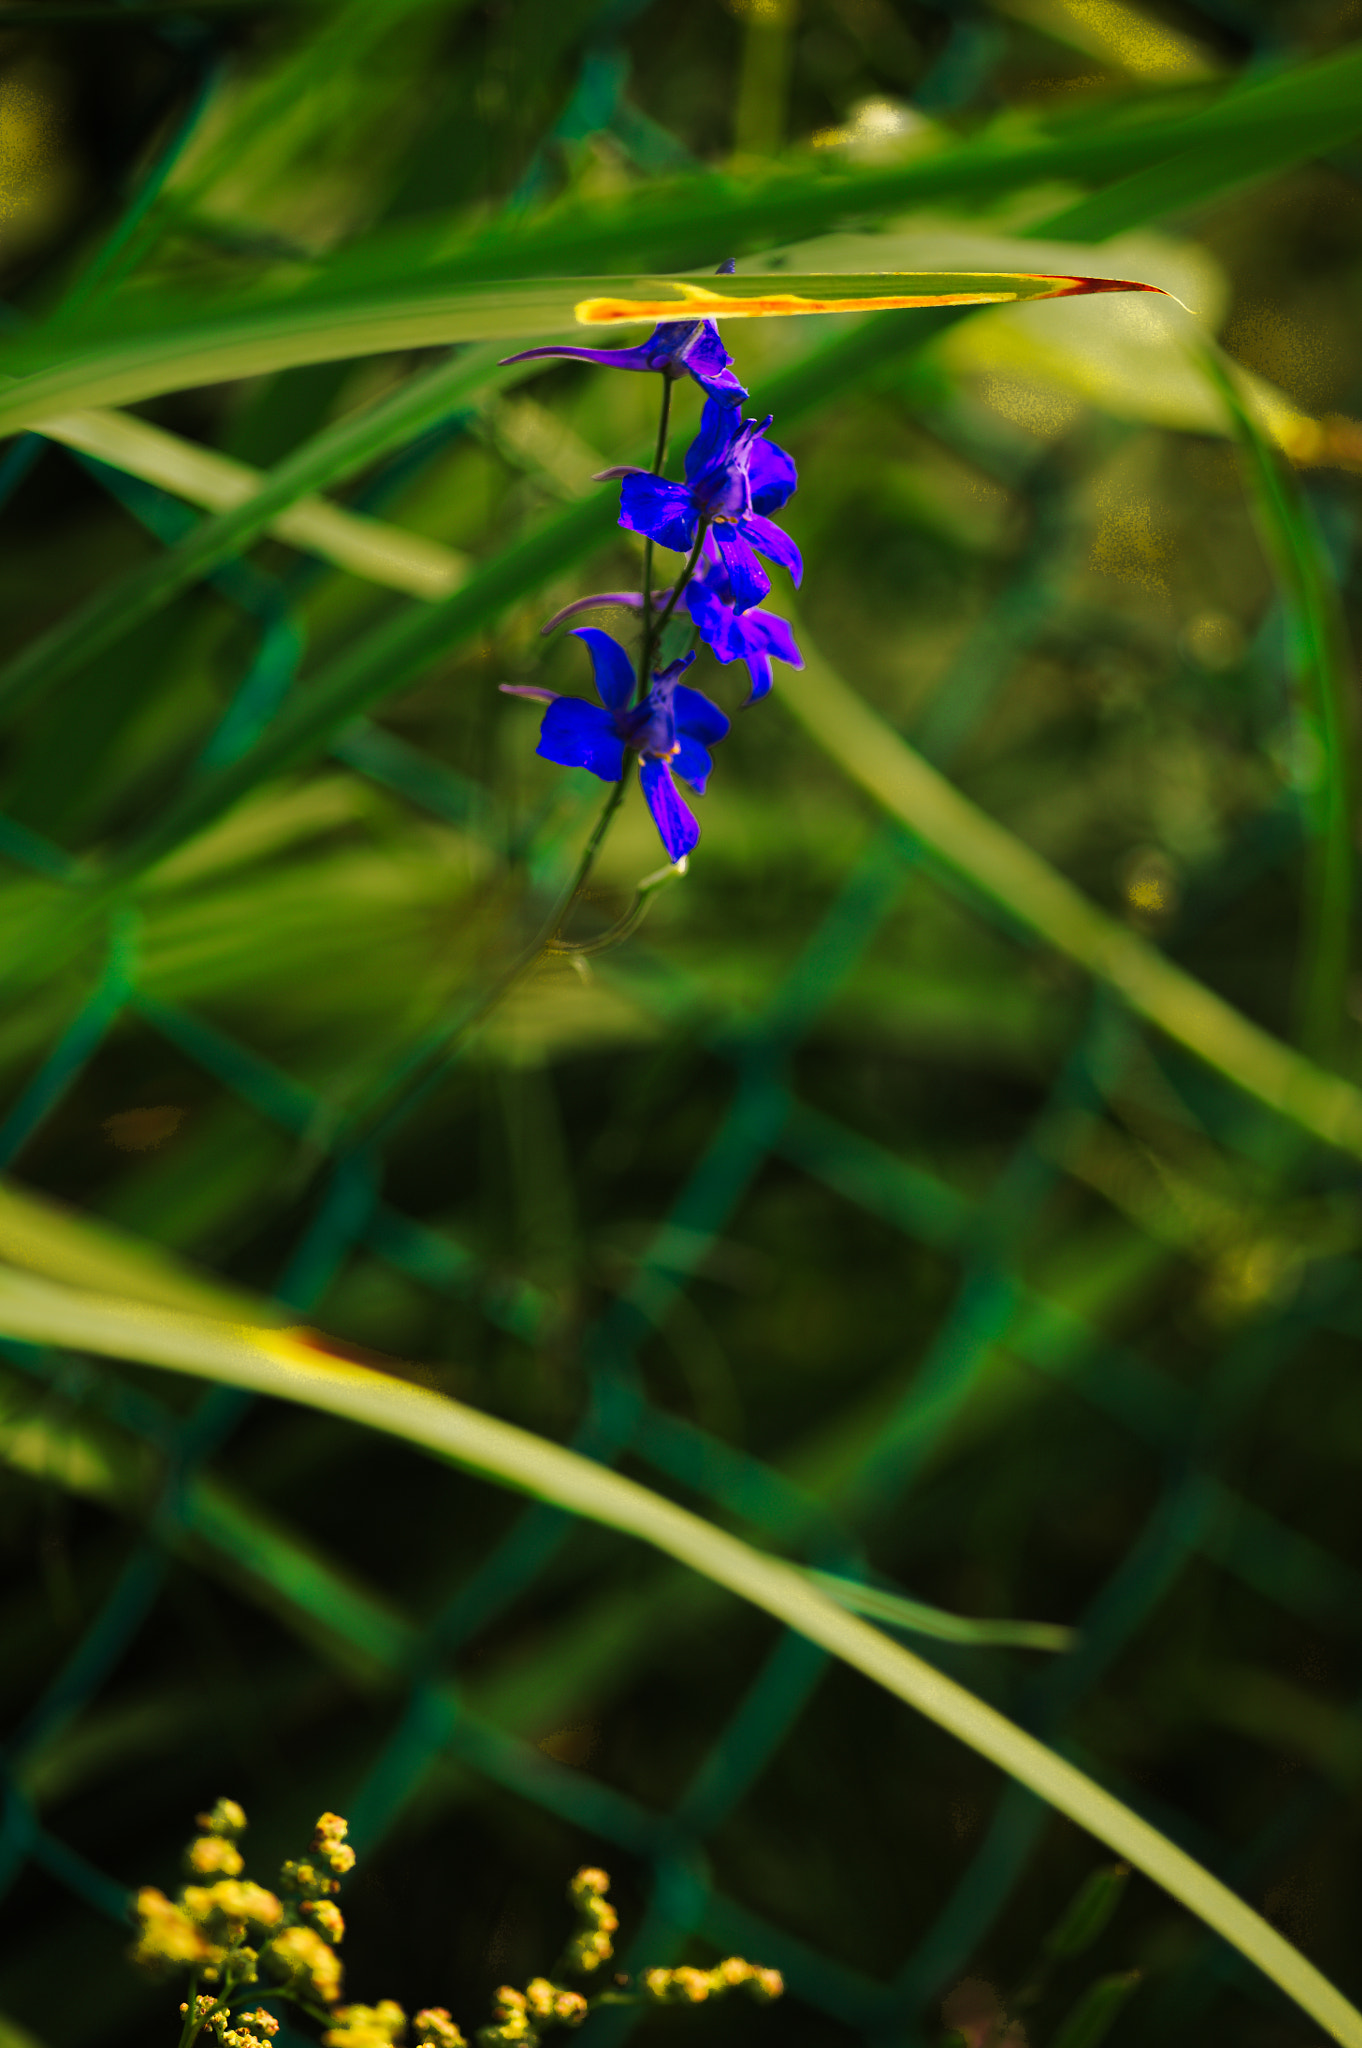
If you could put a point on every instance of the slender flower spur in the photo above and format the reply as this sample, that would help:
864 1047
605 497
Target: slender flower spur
734 478
675 348
670 731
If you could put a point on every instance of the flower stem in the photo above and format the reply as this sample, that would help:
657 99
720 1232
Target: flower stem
684 578
645 656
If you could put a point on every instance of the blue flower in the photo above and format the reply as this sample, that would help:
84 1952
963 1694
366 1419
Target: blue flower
753 636
733 479
677 348
670 731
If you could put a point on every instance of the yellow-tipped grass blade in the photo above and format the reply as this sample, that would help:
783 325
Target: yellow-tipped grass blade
304 1366
161 343
754 298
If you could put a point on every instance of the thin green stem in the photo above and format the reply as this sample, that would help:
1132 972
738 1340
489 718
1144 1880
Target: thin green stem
645 657
684 578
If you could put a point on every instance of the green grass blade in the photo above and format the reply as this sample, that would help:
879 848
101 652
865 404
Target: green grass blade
168 345
1009 873
1322 670
1097 2011
1246 131
296 1366
922 1620
328 458
367 547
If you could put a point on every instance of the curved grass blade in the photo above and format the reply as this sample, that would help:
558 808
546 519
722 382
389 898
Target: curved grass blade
1009 873
338 452
1317 651
168 346
298 1365
351 540
920 1619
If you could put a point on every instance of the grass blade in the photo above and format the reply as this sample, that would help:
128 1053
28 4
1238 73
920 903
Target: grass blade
922 1620
1009 873
171 346
297 1366
328 458
366 547
1322 671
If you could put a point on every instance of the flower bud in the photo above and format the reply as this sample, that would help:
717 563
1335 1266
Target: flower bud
433 2028
226 1819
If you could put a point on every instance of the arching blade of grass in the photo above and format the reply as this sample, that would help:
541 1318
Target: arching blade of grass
366 547
328 458
171 346
1009 873
297 1366
1317 650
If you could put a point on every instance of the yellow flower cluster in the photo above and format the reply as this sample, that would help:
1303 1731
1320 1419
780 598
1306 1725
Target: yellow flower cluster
383 2026
206 1930
591 1945
367 2026
519 2014
687 1986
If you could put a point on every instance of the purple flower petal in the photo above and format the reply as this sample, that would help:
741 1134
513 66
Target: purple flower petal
613 669
664 511
579 735
719 428
677 828
708 362
692 763
772 475
774 544
697 718
759 668
749 580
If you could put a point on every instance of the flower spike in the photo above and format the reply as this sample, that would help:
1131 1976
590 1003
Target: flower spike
670 731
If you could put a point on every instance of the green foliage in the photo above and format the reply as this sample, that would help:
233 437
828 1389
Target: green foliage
947 1189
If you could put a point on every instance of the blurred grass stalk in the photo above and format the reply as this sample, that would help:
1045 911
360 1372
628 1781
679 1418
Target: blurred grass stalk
295 1365
764 81
1321 671
1010 874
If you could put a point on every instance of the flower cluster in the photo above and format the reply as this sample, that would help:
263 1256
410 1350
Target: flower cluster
719 519
205 1932
233 1934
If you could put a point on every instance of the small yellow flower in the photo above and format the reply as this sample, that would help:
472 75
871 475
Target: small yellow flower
214 1856
299 1953
367 2026
226 1818
167 1937
433 2028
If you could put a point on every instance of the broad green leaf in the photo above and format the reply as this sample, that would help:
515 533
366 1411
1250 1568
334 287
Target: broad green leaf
299 1365
169 346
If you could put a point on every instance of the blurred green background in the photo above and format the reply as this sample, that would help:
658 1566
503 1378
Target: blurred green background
832 1203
